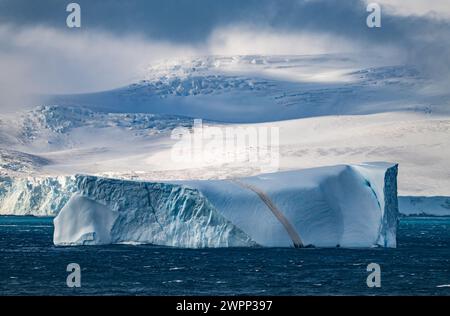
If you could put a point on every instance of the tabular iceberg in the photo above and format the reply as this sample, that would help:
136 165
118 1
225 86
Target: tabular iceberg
344 205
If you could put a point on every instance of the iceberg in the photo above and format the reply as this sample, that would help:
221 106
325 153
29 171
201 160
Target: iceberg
116 211
336 206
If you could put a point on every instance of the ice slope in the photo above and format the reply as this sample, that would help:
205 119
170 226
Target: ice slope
347 206
58 140
419 142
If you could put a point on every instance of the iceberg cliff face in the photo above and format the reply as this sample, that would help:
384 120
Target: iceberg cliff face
384 186
119 211
348 206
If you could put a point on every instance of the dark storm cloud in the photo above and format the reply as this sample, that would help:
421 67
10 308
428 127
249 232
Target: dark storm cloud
193 21
175 20
116 37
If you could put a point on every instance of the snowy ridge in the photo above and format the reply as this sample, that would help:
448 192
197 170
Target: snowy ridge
63 119
219 75
16 161
34 140
253 89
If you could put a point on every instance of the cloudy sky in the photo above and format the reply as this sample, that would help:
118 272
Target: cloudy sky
39 54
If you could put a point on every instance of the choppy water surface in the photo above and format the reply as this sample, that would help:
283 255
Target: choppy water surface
31 265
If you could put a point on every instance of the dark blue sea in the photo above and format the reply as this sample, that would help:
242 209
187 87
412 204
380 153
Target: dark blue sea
31 265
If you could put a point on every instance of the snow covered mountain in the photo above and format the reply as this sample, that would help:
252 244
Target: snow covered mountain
328 109
252 89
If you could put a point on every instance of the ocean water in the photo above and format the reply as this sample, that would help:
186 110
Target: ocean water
31 265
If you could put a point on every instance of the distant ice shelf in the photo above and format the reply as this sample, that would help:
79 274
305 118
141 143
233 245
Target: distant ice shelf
424 205
344 205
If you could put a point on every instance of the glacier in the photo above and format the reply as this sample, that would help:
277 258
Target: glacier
424 205
336 206
37 196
